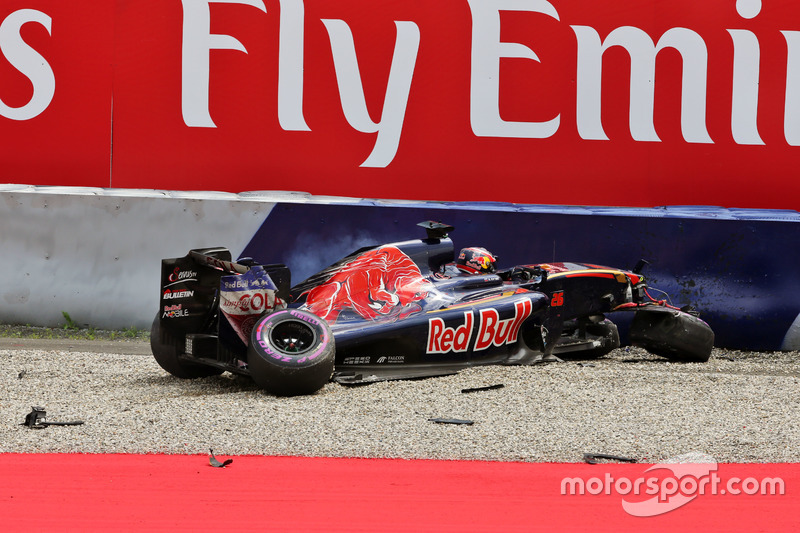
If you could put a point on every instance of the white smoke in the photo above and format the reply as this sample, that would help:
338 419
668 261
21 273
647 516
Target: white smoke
311 253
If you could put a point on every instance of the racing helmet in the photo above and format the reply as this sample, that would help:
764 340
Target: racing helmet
476 261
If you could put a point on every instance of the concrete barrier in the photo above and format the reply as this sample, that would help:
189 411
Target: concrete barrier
95 253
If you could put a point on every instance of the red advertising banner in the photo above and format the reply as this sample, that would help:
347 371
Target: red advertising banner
530 101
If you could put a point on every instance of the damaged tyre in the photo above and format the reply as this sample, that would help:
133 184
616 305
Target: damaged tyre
588 338
607 334
672 334
291 352
167 346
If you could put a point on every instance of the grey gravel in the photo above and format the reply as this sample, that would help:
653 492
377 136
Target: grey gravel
738 407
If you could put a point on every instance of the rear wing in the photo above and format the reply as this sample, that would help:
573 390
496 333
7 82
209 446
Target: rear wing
220 259
190 287
215 258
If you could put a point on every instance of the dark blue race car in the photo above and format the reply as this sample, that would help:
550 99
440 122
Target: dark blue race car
398 311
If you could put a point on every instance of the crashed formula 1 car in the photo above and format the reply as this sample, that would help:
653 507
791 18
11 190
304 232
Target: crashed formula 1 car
400 311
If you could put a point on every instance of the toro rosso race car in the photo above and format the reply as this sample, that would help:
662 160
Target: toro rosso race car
399 311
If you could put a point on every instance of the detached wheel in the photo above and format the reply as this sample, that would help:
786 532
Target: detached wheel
672 334
167 345
291 352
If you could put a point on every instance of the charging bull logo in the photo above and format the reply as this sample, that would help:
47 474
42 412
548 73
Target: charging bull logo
377 283
491 331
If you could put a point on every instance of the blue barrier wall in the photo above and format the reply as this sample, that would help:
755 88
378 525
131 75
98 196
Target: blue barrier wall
737 267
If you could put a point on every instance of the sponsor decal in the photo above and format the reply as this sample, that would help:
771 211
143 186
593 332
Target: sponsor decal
442 339
305 318
391 359
491 330
488 50
182 275
175 311
248 303
170 294
243 298
234 283
356 360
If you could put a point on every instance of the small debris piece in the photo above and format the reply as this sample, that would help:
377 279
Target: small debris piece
36 419
213 461
586 365
22 374
592 458
32 419
478 389
452 421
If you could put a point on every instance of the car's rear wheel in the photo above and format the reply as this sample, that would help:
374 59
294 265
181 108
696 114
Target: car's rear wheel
672 334
167 345
291 352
